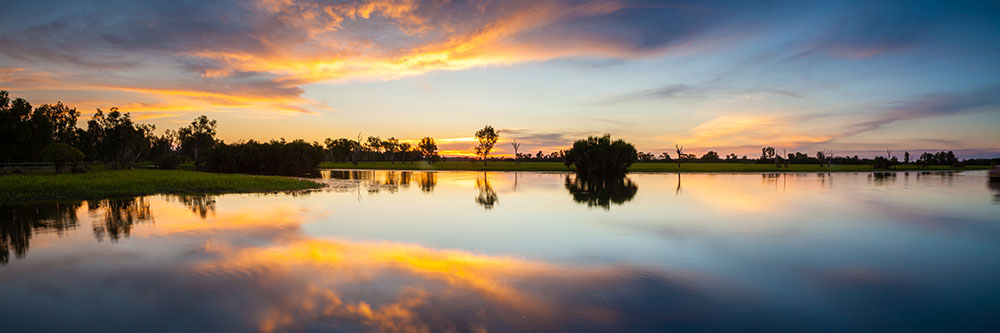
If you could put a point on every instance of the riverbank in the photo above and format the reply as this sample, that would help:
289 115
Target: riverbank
638 167
136 182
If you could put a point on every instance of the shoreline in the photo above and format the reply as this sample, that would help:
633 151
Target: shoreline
645 168
105 184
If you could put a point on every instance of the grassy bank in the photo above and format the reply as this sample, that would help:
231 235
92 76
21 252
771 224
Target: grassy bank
120 183
638 167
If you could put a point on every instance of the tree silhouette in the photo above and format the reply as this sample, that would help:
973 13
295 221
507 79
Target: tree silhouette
487 138
197 137
599 156
428 148
517 156
680 154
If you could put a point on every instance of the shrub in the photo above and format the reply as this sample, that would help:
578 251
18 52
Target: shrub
599 156
59 154
294 158
168 161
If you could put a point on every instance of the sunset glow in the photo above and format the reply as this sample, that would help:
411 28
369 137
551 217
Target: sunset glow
852 77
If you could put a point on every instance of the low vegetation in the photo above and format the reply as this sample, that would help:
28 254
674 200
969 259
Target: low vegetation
122 183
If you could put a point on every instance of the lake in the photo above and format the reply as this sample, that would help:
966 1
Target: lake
502 251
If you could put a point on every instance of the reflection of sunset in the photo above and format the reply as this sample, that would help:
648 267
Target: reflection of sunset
337 264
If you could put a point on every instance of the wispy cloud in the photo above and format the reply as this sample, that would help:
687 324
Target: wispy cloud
936 105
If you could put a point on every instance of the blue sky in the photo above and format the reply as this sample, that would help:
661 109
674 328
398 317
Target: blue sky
852 77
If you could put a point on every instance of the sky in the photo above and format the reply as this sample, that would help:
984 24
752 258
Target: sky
852 77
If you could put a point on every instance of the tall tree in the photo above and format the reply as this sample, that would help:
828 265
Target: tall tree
391 146
197 137
428 148
119 141
487 138
63 120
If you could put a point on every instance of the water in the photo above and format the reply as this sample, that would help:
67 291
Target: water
463 251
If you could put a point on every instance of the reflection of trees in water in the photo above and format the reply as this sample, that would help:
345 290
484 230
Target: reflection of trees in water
119 216
378 181
427 181
18 222
201 204
882 178
601 191
995 186
487 196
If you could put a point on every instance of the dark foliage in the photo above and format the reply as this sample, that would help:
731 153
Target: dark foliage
599 156
60 154
294 158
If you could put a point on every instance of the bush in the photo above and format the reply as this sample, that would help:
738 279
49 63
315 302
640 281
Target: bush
600 157
168 161
294 158
59 154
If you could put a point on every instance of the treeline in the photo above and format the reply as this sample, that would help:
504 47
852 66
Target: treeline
769 155
374 149
50 133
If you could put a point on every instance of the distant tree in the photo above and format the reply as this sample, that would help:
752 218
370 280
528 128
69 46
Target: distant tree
599 156
197 137
731 157
906 157
59 154
294 158
428 149
767 153
119 141
391 146
821 157
517 156
340 150
163 151
881 162
374 146
665 156
680 154
405 150
710 157
63 120
487 137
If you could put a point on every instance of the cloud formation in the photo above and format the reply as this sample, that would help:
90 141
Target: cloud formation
259 54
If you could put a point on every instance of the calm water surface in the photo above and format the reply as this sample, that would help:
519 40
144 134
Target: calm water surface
464 251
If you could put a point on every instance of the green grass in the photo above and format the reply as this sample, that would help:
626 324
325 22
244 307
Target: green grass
638 167
122 183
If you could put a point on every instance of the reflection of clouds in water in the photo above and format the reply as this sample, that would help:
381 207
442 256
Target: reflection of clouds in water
387 286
